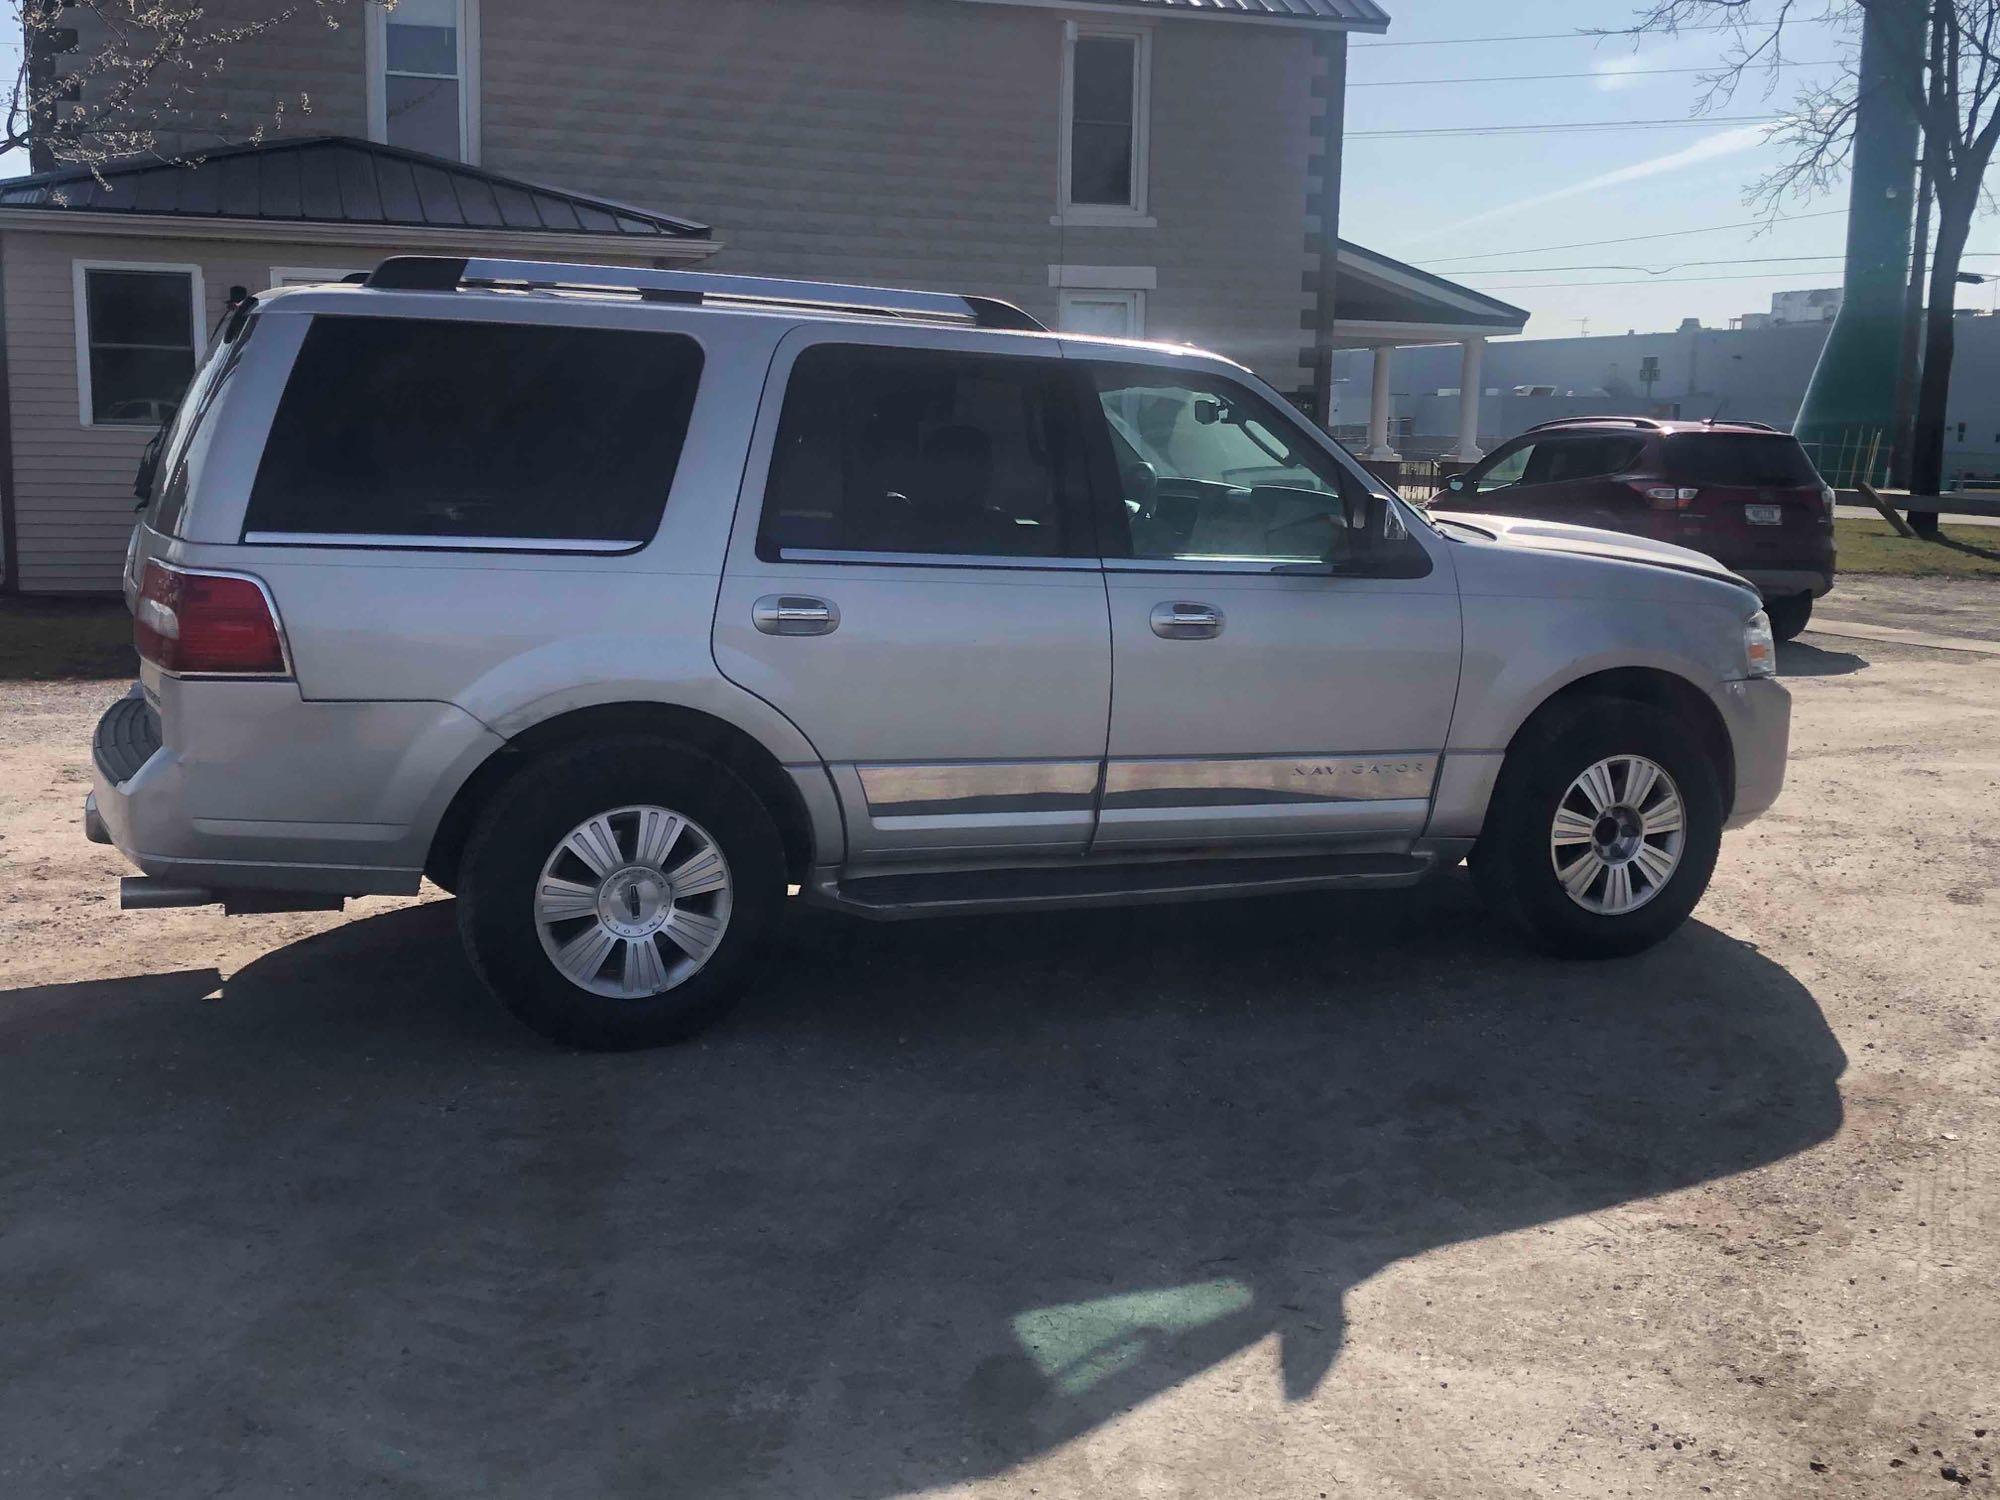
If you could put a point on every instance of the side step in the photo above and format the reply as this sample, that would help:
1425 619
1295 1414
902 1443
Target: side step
893 897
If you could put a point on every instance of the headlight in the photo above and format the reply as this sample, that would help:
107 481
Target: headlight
1760 651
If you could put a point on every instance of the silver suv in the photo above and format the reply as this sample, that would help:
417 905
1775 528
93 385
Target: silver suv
621 602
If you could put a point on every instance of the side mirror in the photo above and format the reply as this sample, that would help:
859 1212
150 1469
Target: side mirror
1457 484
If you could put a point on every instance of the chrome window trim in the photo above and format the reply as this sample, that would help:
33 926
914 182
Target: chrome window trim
935 560
408 543
1209 565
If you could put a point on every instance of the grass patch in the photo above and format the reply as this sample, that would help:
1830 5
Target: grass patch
1872 547
49 640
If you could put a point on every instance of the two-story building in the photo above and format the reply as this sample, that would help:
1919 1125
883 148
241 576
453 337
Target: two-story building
1159 168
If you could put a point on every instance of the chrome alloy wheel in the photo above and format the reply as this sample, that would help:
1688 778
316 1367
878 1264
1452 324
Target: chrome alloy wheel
1618 835
633 902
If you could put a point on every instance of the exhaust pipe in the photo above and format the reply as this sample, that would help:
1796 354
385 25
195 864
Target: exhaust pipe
144 893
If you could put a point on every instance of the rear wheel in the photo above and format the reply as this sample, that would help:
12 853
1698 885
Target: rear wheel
1789 614
1603 830
617 895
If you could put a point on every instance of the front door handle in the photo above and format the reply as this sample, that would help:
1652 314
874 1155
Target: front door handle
795 614
1181 620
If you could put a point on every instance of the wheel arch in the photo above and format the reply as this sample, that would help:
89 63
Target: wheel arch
1656 688
714 737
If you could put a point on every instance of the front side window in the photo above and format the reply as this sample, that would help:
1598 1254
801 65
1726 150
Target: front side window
474 432
1209 471
1104 166
926 451
139 332
423 90
1508 468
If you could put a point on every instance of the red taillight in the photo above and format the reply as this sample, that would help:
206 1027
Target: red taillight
206 623
1666 496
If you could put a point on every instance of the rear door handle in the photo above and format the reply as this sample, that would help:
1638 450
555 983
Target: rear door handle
1181 620
795 614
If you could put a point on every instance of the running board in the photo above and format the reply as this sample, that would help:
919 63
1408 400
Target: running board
894 897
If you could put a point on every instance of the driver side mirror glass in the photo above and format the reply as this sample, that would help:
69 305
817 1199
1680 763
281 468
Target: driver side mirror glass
1457 484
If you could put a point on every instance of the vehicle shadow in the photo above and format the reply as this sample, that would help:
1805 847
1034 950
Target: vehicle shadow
939 1198
1797 659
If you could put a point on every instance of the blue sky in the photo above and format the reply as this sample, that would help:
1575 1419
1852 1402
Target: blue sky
1439 201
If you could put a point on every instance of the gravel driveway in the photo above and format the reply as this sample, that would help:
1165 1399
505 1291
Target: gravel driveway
1300 1197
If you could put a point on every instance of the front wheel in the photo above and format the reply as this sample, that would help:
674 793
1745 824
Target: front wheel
617 895
1789 615
1603 830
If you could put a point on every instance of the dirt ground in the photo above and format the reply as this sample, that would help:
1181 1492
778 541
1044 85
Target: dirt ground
1296 1198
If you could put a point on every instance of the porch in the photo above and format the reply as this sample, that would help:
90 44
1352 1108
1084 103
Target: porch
1383 304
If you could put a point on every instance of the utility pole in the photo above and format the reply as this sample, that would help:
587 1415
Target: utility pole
1851 399
1913 339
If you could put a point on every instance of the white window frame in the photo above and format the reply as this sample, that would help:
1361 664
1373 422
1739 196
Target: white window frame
1132 299
1132 215
375 27
307 275
79 291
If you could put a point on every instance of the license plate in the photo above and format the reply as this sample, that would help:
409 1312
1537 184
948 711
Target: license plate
1764 515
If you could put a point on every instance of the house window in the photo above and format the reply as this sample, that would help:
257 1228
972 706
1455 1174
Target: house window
138 338
423 76
1102 314
1105 87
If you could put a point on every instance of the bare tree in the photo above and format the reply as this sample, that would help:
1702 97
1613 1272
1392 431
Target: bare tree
103 79
1953 83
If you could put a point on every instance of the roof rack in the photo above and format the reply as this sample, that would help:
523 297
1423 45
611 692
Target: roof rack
441 273
1646 422
1739 422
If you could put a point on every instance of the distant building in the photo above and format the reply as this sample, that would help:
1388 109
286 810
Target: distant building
1757 372
1817 305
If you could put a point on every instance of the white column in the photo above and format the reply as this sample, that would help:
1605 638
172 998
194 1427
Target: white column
1378 449
1468 450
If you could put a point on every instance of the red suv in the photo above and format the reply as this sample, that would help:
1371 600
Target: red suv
1744 493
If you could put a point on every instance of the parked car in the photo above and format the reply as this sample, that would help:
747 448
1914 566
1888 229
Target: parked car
621 608
1741 492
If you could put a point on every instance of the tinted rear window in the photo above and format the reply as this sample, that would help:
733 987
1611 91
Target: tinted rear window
403 427
1770 461
922 450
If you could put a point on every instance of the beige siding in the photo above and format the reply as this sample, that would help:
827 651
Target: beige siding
916 142
72 484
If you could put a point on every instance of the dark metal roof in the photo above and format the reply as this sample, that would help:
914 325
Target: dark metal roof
1354 15
1456 303
336 180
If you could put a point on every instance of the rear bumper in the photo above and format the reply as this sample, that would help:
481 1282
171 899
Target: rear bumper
1758 714
247 787
1781 583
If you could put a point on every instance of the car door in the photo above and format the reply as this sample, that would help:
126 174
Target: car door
913 580
1285 637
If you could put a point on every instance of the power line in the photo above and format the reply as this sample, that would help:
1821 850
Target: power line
1562 36
1734 260
1630 239
1575 127
1401 83
1531 286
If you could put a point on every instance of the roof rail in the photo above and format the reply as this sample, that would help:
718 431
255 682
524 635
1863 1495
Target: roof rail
1647 422
1739 422
440 273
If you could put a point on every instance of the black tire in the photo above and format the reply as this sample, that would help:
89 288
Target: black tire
1512 863
1789 614
531 815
